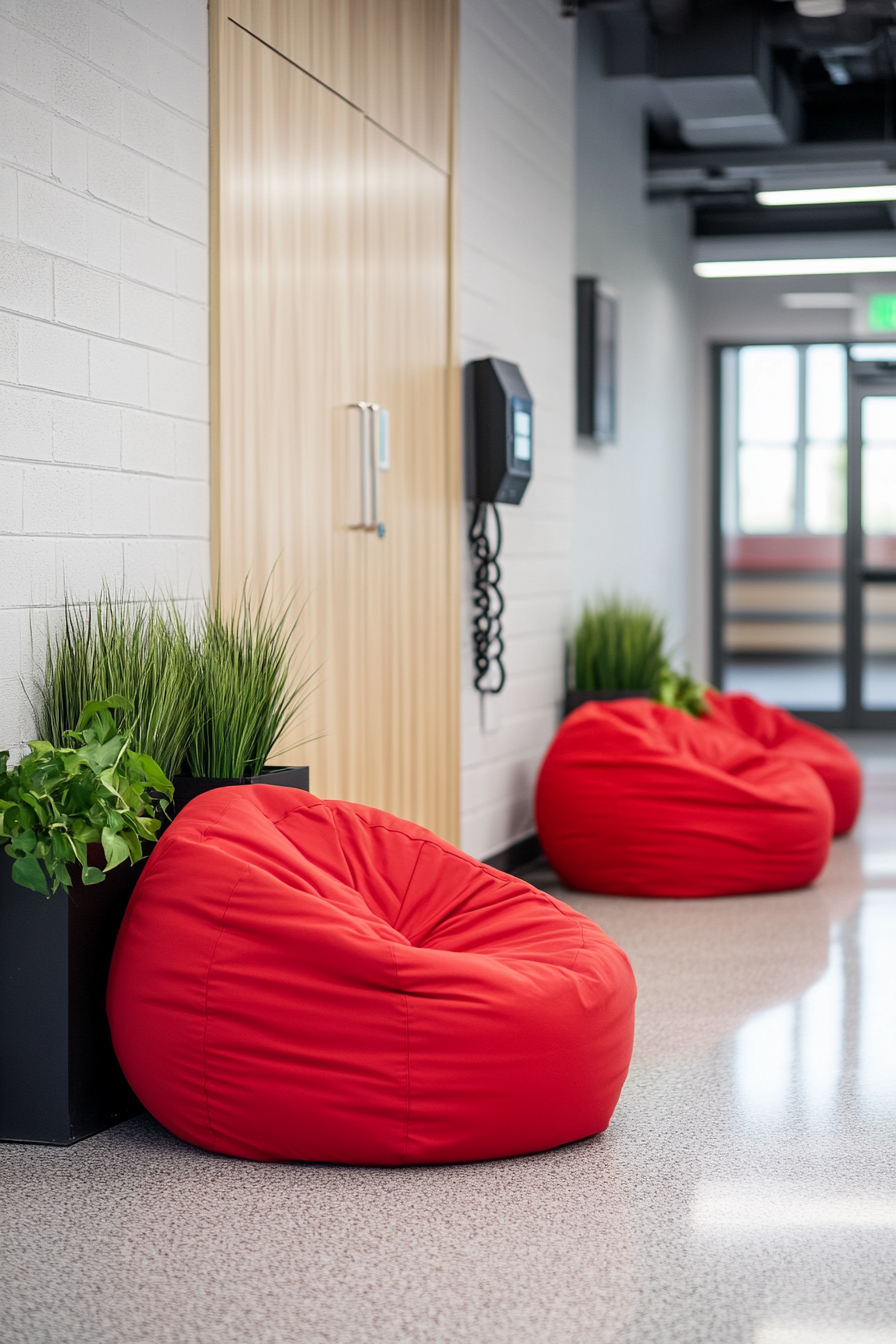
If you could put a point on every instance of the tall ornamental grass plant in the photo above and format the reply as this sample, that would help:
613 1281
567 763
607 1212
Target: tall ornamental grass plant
619 647
243 699
212 697
136 650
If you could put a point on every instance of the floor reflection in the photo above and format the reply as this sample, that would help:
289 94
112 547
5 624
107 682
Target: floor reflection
821 1332
758 1126
703 967
877 1030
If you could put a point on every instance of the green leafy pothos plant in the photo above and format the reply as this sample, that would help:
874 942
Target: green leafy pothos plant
682 691
59 800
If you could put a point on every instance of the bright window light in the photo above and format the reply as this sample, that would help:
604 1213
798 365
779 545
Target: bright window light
827 195
826 393
769 394
825 486
873 354
726 270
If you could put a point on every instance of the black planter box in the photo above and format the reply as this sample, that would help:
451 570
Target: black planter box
574 699
59 1078
186 787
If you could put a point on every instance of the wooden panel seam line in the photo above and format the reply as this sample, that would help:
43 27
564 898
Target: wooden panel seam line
385 130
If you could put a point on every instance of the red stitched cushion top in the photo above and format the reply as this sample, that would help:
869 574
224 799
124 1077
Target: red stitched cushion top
319 980
778 731
636 798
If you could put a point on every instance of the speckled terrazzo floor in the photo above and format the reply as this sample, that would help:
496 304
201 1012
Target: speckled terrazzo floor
745 1192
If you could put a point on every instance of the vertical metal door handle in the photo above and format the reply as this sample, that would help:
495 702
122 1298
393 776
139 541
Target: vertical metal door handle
374 448
362 407
379 460
373 443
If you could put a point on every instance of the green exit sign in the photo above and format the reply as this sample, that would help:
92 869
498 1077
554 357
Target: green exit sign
882 312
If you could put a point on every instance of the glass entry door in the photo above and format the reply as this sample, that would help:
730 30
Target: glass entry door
780 593
805 562
871 539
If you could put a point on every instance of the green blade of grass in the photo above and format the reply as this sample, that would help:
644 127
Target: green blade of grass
246 696
619 646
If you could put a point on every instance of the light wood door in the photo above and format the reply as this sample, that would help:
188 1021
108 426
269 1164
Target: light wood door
332 273
291 331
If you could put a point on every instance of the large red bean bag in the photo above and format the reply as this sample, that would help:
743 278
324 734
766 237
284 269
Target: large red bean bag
321 981
639 799
780 732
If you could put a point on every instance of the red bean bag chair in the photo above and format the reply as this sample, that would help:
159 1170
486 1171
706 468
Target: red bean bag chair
297 979
639 799
780 732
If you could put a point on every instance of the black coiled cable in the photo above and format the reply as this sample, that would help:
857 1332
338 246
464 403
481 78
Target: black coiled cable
488 604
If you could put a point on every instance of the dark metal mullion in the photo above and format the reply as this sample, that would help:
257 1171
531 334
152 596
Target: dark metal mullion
852 559
799 503
715 529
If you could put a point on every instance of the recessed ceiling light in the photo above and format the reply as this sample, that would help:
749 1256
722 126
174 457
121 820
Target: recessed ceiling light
725 270
827 195
819 9
804 299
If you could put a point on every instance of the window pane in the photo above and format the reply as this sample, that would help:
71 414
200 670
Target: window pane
769 388
826 392
766 479
879 419
879 488
826 487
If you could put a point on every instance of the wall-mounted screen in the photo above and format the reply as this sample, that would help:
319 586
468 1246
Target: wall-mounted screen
522 431
596 339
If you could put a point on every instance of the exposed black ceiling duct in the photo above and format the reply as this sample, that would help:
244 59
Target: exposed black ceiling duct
758 93
669 18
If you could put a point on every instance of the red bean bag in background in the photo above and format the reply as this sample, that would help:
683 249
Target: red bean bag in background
780 732
321 981
638 799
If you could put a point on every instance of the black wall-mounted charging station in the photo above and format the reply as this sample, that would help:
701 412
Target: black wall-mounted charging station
498 472
502 430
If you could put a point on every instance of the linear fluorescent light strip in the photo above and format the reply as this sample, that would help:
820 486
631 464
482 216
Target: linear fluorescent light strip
724 270
827 195
828 299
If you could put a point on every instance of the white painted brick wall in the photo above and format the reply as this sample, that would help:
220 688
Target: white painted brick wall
517 227
103 312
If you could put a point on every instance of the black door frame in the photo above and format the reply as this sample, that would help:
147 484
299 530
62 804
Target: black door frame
861 379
